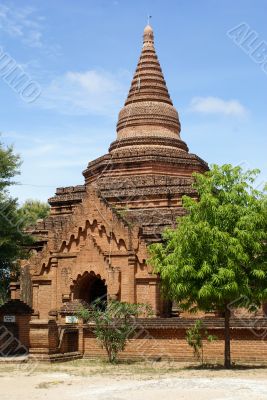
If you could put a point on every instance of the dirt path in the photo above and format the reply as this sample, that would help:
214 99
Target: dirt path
137 382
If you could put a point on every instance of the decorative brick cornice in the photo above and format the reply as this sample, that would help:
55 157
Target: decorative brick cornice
148 141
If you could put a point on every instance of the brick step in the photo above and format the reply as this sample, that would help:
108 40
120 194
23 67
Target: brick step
59 357
14 359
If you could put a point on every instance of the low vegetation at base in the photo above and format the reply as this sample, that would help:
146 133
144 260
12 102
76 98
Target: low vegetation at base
195 337
114 323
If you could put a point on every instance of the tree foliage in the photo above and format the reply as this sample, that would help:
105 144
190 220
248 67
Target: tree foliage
9 167
217 254
113 323
32 210
12 238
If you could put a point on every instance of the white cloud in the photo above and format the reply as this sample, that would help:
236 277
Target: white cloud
94 92
21 23
216 105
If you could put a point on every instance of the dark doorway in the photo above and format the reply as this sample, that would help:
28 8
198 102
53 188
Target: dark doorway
90 287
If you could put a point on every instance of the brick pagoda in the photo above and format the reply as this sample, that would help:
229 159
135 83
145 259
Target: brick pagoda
94 242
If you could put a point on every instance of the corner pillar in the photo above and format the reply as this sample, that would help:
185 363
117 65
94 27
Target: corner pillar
14 290
44 337
154 296
81 340
128 290
35 289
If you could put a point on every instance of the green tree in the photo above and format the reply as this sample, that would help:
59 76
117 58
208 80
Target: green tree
113 323
12 238
216 258
9 219
32 210
9 167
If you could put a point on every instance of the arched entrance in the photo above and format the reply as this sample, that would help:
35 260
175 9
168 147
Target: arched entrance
90 287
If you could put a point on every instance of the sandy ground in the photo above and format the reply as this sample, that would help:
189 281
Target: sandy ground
91 380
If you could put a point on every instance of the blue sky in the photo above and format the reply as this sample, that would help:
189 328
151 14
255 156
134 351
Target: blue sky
82 55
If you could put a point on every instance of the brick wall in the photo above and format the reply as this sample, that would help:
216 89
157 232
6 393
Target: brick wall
246 345
24 329
44 336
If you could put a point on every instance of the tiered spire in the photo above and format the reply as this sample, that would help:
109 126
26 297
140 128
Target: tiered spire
148 82
148 110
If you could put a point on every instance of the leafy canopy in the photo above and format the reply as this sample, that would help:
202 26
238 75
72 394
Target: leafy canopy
9 166
10 235
13 220
32 210
218 252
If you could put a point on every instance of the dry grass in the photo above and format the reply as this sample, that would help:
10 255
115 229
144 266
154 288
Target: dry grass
139 369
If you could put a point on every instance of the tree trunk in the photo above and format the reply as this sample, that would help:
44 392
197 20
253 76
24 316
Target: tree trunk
227 338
